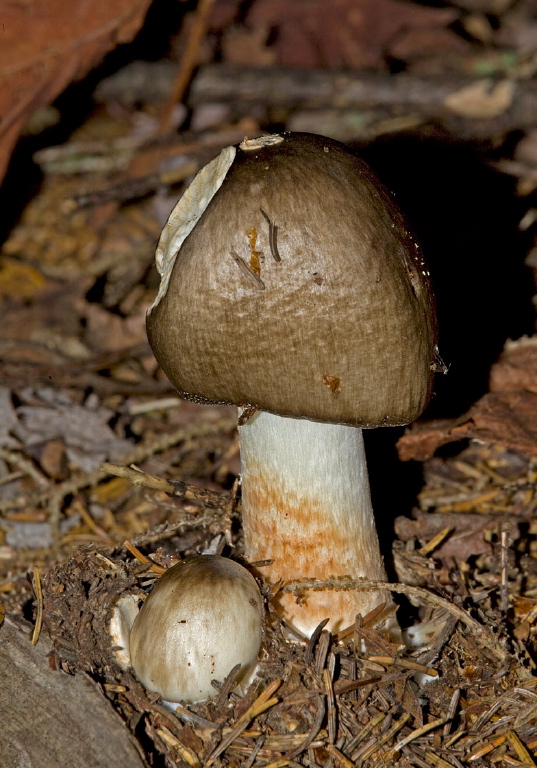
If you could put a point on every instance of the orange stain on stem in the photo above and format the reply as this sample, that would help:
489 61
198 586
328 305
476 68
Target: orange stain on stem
304 542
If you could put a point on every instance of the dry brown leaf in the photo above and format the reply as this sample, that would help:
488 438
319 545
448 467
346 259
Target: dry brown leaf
523 605
406 694
58 243
507 418
51 322
19 279
52 458
248 47
466 538
482 100
349 33
108 332
47 44
48 414
506 415
412 44
517 367
421 440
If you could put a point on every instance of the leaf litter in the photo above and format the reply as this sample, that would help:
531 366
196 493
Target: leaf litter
105 477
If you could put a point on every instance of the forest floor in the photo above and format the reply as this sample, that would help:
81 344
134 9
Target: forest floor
106 473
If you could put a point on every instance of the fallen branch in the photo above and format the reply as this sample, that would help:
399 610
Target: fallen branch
212 499
467 106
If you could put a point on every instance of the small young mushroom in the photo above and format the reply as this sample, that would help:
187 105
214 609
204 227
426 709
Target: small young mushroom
202 618
291 287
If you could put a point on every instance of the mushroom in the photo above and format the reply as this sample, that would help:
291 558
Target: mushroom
292 287
202 618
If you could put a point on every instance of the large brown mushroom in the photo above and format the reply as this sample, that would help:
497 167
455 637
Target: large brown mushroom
291 284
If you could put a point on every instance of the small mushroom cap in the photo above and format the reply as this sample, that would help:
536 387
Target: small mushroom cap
202 618
298 289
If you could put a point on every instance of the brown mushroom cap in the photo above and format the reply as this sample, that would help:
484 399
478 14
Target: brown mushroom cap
341 329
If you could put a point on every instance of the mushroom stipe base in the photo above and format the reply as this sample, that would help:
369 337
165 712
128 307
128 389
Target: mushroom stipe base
307 507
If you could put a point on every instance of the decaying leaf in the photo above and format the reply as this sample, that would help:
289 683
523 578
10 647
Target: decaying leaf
507 418
517 367
48 415
47 44
110 332
466 537
507 415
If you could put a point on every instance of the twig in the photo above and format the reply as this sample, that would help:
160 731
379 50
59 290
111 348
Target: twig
344 686
174 487
313 640
403 589
39 606
406 663
484 749
366 730
79 508
190 717
185 753
339 756
419 732
322 652
248 763
390 733
144 164
246 271
187 64
366 621
163 442
436 761
396 100
130 189
505 529
278 764
315 728
452 709
25 465
263 702
53 498
227 685
273 236
434 542
331 706
168 530
161 404
143 559
521 751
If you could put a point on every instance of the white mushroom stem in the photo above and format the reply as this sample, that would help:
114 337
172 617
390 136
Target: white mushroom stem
307 507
